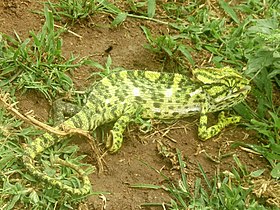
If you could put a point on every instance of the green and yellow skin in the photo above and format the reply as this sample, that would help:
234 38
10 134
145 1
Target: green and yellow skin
119 96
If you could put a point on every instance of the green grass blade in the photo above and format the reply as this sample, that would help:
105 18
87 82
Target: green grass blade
205 177
182 166
119 19
186 53
275 172
151 8
229 10
147 186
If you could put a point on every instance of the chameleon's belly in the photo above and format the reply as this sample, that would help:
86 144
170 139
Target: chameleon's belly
163 102
170 111
153 100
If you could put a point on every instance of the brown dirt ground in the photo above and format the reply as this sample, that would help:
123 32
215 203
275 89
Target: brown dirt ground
127 167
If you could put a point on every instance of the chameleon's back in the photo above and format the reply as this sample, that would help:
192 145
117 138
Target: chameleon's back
160 95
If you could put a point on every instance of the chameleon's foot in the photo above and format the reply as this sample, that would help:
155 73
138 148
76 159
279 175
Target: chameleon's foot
228 120
115 141
119 128
205 133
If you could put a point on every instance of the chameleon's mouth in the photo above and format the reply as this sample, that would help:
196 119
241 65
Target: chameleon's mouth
243 90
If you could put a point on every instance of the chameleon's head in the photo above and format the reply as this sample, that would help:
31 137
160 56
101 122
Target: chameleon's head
225 87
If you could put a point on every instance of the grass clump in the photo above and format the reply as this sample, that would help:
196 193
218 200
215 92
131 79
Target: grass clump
74 10
34 63
263 66
18 187
233 189
37 62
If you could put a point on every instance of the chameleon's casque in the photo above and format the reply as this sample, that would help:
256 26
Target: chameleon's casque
119 96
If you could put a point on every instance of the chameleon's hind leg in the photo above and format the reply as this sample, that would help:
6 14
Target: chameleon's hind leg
119 127
205 133
62 110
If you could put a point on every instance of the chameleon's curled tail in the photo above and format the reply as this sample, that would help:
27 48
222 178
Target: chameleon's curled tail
83 190
38 146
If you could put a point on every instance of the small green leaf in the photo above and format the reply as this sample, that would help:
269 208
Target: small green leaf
94 64
257 173
12 202
275 172
276 119
275 148
265 26
186 53
110 7
273 73
212 49
147 33
69 149
108 65
119 19
34 197
229 10
148 186
151 8
260 60
167 50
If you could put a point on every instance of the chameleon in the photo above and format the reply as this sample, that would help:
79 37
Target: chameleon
155 95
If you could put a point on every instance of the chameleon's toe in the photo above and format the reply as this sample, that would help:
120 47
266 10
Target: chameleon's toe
234 119
117 139
230 120
207 133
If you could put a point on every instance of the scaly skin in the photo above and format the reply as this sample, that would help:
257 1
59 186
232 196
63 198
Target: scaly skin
120 95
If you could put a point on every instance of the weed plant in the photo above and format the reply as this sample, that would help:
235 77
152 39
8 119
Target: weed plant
36 62
18 187
74 10
230 190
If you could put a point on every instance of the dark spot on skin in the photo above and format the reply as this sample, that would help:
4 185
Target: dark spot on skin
175 114
156 105
177 95
144 101
198 100
166 113
121 98
157 114
161 100
89 114
171 107
202 124
178 101
154 98
161 95
138 98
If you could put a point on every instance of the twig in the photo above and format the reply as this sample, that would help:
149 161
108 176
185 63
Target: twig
31 120
249 150
69 31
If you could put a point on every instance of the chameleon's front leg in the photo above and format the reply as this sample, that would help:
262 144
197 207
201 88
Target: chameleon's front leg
205 133
119 127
